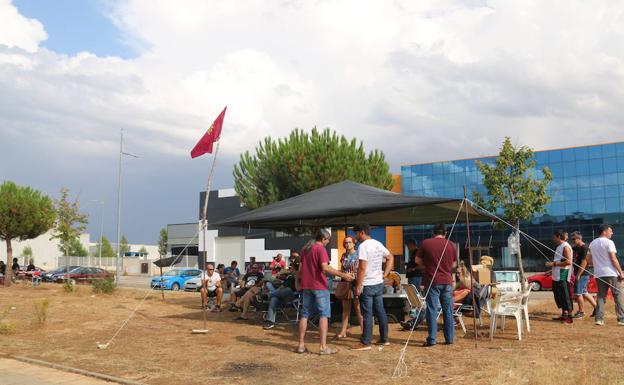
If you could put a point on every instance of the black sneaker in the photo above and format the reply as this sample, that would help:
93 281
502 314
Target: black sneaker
268 325
578 314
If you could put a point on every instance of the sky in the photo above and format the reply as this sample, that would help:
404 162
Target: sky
421 81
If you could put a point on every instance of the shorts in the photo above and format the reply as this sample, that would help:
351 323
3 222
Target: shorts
211 293
316 302
580 286
241 292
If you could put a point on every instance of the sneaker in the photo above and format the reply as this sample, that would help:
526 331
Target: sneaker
599 322
578 314
567 320
360 347
407 325
621 323
382 343
268 325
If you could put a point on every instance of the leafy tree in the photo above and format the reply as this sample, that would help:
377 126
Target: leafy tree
107 249
162 242
70 222
143 251
123 245
513 190
76 249
304 162
27 253
24 214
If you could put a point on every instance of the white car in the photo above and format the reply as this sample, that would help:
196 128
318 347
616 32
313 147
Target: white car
193 284
508 281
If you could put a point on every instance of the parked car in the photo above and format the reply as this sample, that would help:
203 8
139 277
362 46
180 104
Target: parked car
193 284
47 276
174 279
508 281
25 274
83 275
543 281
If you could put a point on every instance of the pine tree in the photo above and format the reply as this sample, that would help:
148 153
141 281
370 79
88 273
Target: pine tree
303 162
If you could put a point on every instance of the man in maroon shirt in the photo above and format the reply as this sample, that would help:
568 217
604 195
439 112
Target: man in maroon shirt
314 264
438 257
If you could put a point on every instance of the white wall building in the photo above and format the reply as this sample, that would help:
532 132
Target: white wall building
45 251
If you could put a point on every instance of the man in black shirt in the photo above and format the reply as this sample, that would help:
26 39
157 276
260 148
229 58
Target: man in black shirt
413 273
250 286
579 258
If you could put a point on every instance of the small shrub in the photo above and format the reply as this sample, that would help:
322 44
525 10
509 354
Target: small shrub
41 310
68 287
6 327
5 312
106 286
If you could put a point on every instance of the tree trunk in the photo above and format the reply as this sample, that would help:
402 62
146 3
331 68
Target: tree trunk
517 235
8 271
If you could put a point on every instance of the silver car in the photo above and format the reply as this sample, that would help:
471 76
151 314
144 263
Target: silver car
193 284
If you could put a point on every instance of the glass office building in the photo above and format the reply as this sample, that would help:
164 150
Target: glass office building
587 190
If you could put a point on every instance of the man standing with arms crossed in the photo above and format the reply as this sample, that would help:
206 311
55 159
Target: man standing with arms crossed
369 286
608 273
438 257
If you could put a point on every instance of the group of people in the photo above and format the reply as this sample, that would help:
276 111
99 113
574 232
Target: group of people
365 269
432 268
571 270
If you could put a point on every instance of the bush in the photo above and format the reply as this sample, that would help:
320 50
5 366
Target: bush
6 327
106 286
68 287
41 310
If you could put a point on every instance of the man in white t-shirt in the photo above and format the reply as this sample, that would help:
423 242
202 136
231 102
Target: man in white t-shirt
211 286
608 273
369 286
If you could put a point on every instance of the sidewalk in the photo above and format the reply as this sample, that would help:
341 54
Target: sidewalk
15 372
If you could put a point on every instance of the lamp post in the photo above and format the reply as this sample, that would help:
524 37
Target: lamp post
101 202
118 258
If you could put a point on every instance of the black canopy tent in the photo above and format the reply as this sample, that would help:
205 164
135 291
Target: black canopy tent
350 203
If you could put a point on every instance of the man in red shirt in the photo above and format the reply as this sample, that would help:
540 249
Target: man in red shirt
277 261
314 264
438 257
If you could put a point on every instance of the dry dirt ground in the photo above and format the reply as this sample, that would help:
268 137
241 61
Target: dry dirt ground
157 347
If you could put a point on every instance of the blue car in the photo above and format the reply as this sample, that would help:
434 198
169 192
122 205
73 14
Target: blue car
174 279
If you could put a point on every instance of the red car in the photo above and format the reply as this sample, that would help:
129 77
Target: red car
543 281
83 275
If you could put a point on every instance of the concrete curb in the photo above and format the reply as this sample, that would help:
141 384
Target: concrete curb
75 370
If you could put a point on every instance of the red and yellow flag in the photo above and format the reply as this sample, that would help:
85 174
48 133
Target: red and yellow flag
204 146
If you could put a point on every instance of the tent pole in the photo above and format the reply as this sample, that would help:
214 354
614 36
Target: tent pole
474 304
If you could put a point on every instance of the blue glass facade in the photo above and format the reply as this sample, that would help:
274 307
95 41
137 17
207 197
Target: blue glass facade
587 190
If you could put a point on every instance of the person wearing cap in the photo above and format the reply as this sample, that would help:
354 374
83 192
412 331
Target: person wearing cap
581 268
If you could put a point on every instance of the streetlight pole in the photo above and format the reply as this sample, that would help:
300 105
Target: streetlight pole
118 258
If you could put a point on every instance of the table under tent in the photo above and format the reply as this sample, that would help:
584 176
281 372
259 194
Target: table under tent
348 203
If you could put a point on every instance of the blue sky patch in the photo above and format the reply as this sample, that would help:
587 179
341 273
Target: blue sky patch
77 25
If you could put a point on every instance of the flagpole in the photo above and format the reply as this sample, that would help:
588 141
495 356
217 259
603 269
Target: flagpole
204 226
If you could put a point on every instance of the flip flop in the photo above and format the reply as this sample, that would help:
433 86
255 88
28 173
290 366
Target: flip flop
327 351
301 351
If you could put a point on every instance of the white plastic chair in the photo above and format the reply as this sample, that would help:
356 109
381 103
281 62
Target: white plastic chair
525 307
507 305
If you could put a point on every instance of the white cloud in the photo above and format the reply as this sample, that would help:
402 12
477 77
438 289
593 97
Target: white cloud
421 81
17 30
